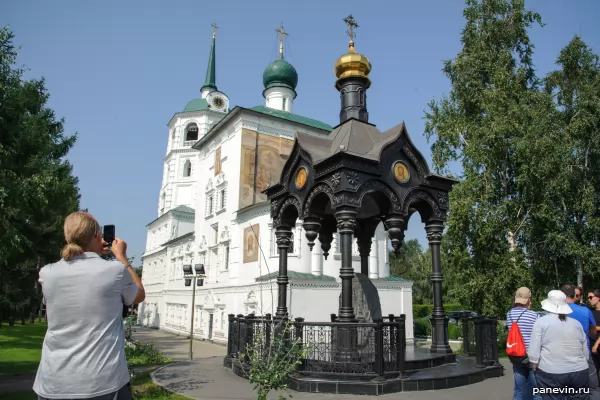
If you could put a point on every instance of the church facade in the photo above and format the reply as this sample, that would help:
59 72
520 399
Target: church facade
212 211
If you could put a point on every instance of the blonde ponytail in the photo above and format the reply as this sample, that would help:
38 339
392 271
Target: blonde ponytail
80 229
71 250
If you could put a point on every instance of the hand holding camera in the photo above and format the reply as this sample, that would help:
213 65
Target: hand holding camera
119 249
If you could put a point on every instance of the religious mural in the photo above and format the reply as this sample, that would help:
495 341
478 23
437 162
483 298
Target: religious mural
261 169
251 235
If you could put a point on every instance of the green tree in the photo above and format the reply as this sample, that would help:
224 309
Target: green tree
564 237
37 187
414 264
490 123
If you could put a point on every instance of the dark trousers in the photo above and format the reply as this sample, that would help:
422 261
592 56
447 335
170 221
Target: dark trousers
122 394
596 360
576 382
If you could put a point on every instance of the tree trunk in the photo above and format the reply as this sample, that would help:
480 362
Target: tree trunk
11 319
579 272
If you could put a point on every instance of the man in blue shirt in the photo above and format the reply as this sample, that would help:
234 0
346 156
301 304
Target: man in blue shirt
586 319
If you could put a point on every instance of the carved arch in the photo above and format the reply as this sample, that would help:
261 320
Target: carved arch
281 214
422 196
375 185
320 187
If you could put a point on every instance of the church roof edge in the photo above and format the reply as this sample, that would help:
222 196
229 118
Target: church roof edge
262 110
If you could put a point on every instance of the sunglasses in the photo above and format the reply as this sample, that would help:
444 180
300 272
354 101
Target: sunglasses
591 297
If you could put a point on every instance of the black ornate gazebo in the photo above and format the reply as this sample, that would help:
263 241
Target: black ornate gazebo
349 183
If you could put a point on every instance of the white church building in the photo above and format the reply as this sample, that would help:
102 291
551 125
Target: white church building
211 211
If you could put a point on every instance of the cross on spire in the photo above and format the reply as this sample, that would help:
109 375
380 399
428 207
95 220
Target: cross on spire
352 25
215 27
282 35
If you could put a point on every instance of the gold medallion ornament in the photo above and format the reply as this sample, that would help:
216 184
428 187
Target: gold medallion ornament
301 178
401 172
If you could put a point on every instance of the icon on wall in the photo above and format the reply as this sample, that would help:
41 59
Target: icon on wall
401 172
301 178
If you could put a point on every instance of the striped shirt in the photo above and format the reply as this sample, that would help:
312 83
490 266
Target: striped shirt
526 318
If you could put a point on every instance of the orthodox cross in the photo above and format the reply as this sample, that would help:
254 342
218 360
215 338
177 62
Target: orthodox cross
352 25
282 35
215 27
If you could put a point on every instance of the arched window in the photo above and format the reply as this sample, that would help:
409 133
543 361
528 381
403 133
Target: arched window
162 202
187 168
191 132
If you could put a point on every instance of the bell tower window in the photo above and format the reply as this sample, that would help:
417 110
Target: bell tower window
187 168
191 132
284 104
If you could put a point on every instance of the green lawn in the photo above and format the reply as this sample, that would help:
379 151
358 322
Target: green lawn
20 352
21 348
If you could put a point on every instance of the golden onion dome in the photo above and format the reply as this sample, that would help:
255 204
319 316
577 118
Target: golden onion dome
352 64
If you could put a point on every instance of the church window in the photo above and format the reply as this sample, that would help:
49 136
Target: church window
226 258
215 229
191 132
187 168
284 103
218 161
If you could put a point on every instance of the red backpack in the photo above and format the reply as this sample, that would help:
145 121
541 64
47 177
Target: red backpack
515 345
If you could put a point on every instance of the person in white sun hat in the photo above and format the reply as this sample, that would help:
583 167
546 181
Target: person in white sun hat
558 350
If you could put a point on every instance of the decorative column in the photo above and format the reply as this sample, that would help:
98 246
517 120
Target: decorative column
317 259
374 258
346 222
439 321
283 235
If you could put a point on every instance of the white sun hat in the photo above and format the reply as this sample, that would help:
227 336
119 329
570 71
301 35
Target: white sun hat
556 303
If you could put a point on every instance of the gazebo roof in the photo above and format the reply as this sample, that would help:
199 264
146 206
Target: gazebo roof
353 137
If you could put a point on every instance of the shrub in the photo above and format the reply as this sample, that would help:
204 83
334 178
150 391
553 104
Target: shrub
138 353
271 366
502 335
424 310
422 327
454 331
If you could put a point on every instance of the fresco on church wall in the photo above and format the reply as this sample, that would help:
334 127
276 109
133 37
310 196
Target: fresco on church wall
251 235
272 155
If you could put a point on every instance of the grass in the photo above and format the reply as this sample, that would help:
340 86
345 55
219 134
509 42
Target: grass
21 348
143 388
20 353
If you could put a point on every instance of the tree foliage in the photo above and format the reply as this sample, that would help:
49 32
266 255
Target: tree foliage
525 210
37 187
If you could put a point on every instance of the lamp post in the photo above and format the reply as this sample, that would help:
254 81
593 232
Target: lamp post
190 279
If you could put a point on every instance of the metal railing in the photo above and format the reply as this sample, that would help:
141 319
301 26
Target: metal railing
374 349
480 339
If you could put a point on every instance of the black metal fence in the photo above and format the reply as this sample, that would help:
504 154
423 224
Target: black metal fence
371 350
362 349
480 338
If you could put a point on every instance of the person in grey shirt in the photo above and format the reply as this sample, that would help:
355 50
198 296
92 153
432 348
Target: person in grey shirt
83 354
558 349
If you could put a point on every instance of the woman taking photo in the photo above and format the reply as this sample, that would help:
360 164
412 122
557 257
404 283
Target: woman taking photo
558 350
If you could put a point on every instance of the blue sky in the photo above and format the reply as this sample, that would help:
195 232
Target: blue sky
117 71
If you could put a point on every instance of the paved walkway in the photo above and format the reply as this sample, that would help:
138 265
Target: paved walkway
205 378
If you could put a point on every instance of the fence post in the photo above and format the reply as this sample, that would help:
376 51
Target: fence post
268 328
465 332
230 337
379 348
401 344
479 345
493 326
243 334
